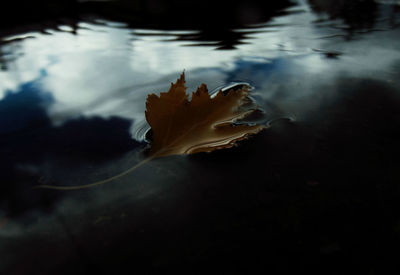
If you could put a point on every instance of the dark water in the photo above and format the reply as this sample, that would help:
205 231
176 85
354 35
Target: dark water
318 193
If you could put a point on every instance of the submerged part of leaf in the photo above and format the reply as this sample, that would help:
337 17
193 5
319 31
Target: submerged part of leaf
203 124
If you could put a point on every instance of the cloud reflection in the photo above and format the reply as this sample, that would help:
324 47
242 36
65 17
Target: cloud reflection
106 70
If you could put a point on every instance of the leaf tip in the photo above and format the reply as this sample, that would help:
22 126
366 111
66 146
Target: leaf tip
181 79
201 90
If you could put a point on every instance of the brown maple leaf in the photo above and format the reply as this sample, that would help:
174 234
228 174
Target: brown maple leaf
180 126
203 124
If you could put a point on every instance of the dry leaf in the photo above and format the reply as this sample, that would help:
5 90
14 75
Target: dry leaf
203 124
180 126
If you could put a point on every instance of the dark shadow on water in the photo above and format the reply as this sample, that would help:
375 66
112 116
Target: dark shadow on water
318 196
356 14
216 21
28 140
311 192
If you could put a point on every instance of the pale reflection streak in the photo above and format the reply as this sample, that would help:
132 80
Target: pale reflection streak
108 69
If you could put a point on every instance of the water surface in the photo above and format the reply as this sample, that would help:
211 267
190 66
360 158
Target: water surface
318 190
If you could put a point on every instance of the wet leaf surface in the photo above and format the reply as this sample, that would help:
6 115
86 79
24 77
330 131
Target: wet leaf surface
203 124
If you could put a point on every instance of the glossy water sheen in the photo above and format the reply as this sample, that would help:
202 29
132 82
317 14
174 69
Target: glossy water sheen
72 102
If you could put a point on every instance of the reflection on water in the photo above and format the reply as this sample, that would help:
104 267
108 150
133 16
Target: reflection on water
72 99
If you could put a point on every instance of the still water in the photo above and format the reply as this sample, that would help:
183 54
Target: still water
319 189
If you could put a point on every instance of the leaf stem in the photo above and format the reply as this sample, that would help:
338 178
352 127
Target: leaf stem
97 183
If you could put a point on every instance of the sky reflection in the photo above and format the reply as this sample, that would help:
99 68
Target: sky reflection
107 69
